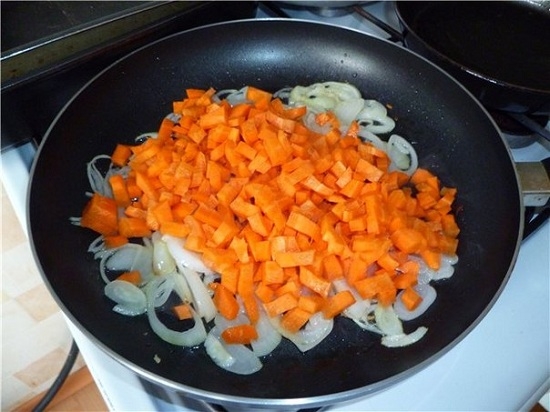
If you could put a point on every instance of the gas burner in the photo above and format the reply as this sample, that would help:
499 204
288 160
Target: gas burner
322 8
517 135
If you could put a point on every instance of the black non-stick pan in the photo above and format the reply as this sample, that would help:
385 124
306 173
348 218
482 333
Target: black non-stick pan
500 50
450 130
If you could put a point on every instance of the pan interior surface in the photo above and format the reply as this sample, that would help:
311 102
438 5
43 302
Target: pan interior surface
451 133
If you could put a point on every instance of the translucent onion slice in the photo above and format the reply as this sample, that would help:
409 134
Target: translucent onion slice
428 294
217 352
164 288
378 126
98 181
398 341
387 320
268 337
233 96
125 258
346 111
361 308
130 299
316 329
163 262
185 257
445 271
323 96
402 154
222 323
373 110
200 296
233 358
181 287
191 337
392 328
97 245
311 124
371 138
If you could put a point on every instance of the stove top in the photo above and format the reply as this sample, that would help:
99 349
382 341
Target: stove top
72 42
511 341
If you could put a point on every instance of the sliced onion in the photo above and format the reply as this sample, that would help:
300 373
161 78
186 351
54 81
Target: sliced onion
402 154
358 310
379 126
185 257
98 181
311 124
323 96
371 138
233 358
164 286
347 110
428 295
372 110
387 320
450 259
150 135
316 329
217 352
130 299
97 245
398 341
163 262
392 328
222 323
181 287
126 258
445 271
268 337
233 96
191 337
200 296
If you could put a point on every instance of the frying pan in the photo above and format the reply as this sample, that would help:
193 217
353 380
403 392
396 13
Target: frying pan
452 133
499 50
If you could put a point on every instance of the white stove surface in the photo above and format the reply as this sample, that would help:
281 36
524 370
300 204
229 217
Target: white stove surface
503 364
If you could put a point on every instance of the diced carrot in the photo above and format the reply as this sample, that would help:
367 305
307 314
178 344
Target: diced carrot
240 334
337 303
281 304
174 229
114 241
294 319
225 302
311 303
408 240
100 215
132 276
410 298
121 154
316 283
133 227
183 311
380 287
279 211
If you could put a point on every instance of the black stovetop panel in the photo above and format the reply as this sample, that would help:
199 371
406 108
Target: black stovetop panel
29 106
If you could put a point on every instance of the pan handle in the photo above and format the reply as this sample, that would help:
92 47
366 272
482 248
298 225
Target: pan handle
535 183
395 35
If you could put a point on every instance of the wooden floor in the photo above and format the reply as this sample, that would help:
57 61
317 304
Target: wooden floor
79 393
